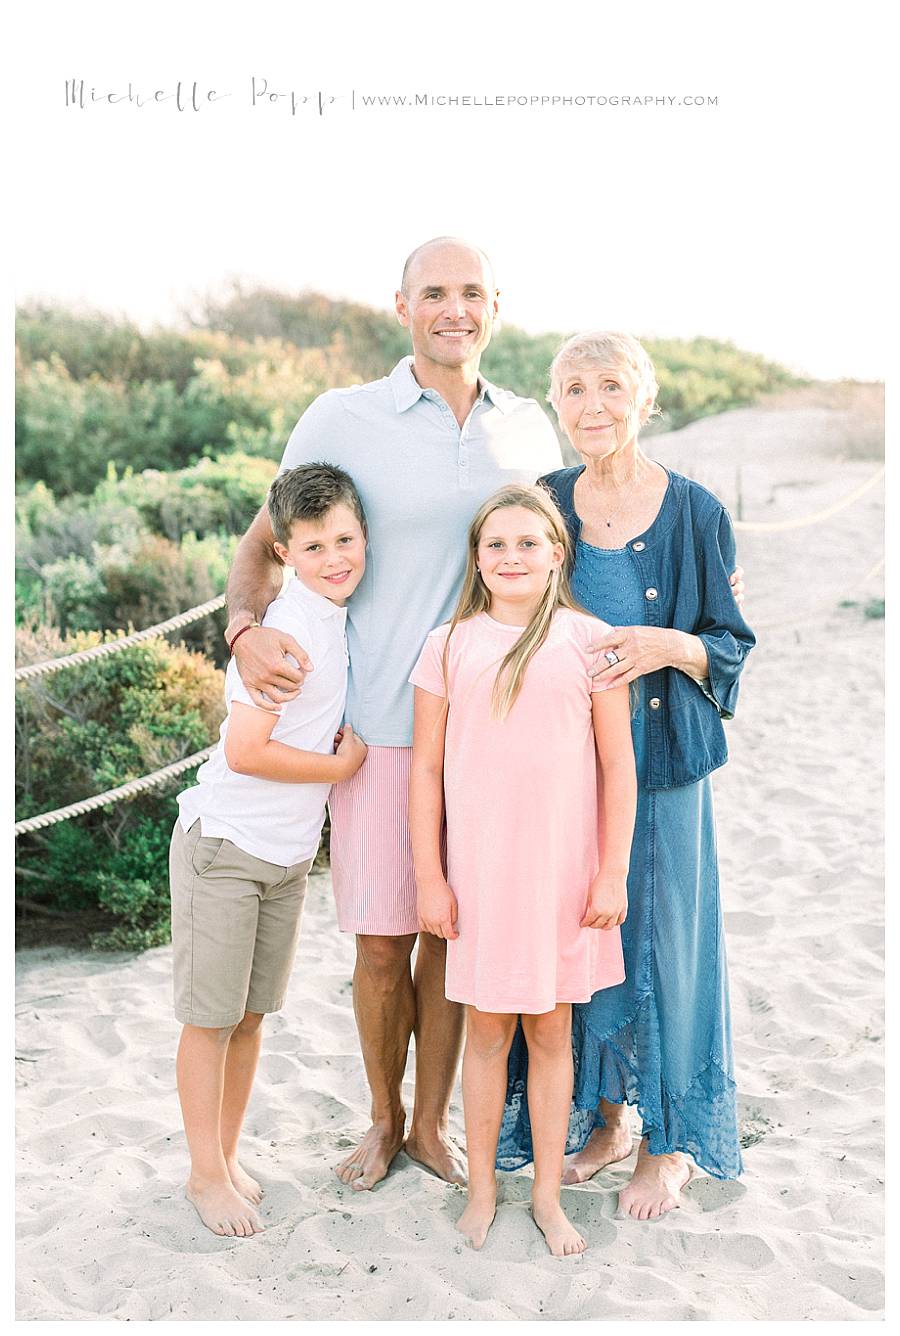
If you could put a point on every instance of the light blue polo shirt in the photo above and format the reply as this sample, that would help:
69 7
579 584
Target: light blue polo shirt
421 478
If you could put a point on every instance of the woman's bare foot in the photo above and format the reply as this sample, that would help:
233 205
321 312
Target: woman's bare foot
562 1237
656 1184
477 1219
222 1209
368 1164
606 1145
243 1183
439 1154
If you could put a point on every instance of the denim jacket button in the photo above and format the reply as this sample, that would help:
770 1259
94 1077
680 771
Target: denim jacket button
638 547
651 594
655 703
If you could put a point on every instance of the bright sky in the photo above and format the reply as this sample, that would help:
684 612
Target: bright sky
759 219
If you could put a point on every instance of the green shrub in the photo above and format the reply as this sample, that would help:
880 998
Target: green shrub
221 494
87 729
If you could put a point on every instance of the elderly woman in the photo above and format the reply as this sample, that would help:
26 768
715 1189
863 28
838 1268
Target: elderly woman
653 552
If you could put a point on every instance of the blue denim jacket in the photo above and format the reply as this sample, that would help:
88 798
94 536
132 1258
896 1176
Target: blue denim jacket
684 560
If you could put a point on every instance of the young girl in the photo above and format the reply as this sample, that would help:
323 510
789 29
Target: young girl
507 717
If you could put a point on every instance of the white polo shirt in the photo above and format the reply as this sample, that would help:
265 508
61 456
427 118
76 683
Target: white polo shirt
279 822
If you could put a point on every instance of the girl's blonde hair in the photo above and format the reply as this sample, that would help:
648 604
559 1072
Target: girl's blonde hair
617 353
475 596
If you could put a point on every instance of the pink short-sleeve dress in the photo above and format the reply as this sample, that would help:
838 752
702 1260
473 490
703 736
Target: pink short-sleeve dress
522 818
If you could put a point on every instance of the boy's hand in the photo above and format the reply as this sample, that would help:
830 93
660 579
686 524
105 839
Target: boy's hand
607 903
351 749
436 906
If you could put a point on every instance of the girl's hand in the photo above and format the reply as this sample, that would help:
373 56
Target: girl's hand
639 649
607 903
436 906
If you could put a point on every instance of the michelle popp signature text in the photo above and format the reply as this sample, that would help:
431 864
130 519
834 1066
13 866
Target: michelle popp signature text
192 96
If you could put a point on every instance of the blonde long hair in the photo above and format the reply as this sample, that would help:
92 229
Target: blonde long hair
475 597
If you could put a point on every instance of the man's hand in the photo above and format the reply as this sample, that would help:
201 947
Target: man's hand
436 905
351 749
736 580
607 903
270 677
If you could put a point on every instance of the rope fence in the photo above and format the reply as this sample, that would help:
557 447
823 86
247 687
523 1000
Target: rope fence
123 642
130 790
161 777
781 526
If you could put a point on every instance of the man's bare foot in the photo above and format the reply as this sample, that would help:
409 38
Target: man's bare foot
477 1219
562 1237
368 1164
222 1209
439 1154
243 1183
606 1145
656 1184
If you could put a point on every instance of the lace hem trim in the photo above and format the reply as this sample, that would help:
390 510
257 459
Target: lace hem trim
702 1122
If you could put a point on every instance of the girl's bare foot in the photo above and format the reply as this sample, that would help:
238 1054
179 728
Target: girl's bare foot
243 1183
368 1164
656 1184
606 1145
562 1237
477 1219
222 1209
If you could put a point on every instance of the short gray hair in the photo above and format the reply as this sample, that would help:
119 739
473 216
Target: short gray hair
606 348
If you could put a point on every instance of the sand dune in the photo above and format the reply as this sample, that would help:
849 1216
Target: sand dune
105 1232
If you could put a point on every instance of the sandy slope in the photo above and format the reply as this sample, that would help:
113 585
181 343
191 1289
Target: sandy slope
105 1232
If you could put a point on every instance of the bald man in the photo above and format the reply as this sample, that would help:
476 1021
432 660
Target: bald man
425 446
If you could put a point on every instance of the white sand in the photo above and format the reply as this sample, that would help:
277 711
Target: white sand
105 1230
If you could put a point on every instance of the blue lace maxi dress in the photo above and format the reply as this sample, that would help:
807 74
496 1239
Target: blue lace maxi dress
662 1039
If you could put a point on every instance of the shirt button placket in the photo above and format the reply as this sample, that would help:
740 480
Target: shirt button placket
463 457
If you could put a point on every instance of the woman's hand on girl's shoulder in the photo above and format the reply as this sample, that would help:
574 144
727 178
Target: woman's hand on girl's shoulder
436 907
607 904
627 652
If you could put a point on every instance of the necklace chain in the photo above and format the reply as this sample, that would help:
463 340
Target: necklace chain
608 522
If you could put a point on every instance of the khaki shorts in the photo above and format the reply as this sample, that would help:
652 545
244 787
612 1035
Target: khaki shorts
235 927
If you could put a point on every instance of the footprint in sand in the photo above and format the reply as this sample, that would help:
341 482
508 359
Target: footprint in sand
712 1194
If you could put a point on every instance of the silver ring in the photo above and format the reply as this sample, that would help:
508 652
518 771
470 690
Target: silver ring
611 657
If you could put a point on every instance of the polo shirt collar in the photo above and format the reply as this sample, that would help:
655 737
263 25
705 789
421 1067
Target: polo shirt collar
407 390
316 604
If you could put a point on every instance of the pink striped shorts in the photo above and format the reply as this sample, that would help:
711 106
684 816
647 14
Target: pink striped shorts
371 855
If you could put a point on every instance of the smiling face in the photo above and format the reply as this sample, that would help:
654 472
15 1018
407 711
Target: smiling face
598 410
515 556
328 554
448 304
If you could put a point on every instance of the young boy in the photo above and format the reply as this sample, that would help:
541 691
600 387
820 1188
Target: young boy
247 835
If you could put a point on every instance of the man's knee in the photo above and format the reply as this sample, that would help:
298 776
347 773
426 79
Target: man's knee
433 950
384 960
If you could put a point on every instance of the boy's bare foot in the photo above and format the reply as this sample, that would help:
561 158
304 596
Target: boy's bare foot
656 1184
477 1219
562 1237
222 1209
606 1145
243 1183
368 1164
439 1154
